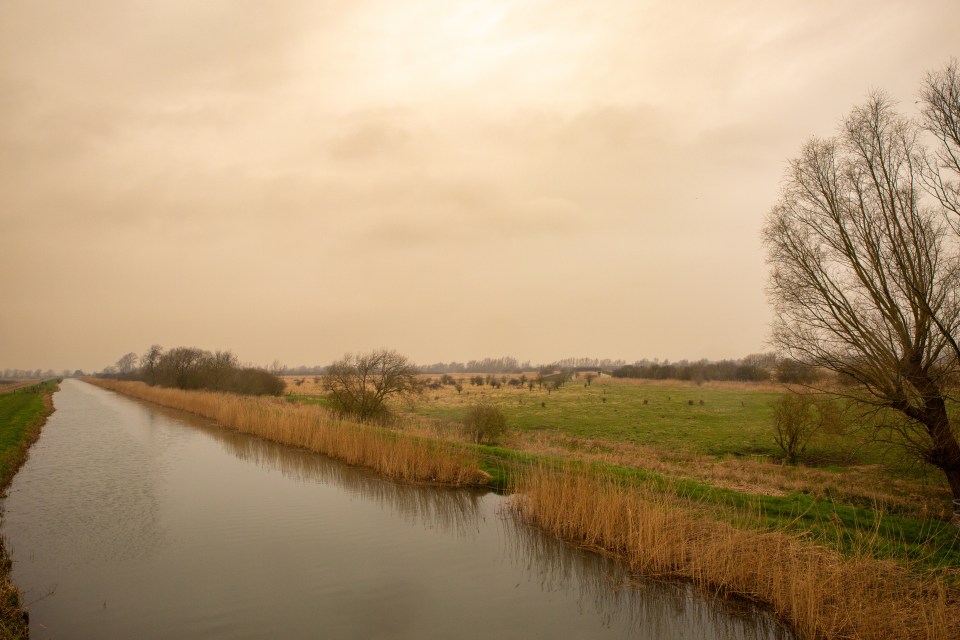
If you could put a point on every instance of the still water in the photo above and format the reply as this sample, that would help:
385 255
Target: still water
131 521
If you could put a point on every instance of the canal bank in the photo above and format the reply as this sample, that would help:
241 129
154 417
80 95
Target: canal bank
23 411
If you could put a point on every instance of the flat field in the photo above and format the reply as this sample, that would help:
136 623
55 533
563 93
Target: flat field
712 418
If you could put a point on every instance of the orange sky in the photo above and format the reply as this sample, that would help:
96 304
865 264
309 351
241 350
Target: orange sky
451 179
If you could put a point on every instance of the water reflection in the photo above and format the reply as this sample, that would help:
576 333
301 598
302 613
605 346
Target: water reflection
130 489
451 511
649 608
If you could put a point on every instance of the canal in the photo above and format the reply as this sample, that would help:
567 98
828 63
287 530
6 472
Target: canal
133 521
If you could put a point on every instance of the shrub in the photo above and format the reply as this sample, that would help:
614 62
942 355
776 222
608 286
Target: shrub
255 382
795 421
361 384
484 423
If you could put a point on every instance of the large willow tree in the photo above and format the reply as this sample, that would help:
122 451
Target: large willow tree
866 278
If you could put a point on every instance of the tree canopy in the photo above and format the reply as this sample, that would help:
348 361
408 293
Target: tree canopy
865 274
361 384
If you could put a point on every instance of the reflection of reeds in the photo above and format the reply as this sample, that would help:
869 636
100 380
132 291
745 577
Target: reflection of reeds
394 454
454 511
650 608
819 592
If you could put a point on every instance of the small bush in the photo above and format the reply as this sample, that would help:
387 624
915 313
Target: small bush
795 421
254 382
484 423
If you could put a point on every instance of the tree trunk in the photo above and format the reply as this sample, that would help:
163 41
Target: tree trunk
953 477
944 452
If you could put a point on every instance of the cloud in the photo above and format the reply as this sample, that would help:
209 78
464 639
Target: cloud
603 164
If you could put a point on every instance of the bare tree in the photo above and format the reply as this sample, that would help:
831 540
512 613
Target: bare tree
220 367
865 278
794 423
149 362
127 364
799 416
181 368
361 384
941 117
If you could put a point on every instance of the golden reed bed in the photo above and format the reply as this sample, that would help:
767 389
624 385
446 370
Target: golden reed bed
394 454
820 593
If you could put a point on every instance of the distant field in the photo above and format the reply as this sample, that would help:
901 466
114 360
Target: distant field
7 385
714 418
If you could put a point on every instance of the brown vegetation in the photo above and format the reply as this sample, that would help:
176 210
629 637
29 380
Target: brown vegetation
871 483
857 485
395 454
819 593
12 385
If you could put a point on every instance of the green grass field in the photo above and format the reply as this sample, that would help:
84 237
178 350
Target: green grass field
21 411
712 419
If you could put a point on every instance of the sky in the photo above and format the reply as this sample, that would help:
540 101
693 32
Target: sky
451 179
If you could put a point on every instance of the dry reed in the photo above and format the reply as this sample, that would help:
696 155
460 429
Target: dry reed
857 485
395 454
818 592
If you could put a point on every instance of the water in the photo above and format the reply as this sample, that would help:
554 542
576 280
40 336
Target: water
134 521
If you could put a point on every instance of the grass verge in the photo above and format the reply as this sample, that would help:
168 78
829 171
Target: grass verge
23 411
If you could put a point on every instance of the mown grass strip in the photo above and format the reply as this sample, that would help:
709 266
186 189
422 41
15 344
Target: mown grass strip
22 413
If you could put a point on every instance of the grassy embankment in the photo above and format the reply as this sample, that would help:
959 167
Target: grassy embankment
767 548
23 410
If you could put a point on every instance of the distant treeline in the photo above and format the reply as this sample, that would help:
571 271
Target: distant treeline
193 368
754 368
506 364
38 373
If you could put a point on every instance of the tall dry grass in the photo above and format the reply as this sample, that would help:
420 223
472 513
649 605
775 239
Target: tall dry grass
818 592
395 454
857 485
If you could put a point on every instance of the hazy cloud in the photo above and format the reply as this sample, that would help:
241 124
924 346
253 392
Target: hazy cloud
453 179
